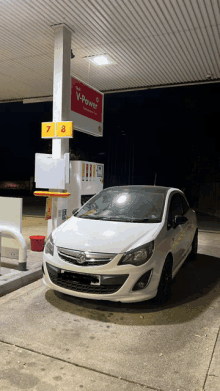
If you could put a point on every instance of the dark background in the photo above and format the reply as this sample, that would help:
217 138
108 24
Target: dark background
169 131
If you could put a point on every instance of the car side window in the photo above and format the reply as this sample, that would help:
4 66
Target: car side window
175 209
185 204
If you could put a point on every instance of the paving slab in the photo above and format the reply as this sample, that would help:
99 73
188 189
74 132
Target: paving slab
24 369
213 376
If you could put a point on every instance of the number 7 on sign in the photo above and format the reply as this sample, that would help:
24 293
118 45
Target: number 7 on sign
48 129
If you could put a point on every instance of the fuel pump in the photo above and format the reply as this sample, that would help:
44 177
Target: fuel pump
86 180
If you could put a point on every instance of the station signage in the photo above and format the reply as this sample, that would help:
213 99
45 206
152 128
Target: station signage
86 108
48 130
62 129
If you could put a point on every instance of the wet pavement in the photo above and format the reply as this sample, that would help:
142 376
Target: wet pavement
50 341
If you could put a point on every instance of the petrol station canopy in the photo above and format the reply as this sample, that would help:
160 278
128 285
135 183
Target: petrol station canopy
149 43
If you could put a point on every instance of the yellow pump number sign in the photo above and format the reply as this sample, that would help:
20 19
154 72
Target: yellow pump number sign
64 129
48 130
57 130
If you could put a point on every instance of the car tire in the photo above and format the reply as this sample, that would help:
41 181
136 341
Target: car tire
164 287
193 253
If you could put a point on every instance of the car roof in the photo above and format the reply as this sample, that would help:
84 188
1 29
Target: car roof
155 189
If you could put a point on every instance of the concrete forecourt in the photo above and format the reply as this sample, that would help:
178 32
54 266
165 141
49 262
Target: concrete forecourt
50 341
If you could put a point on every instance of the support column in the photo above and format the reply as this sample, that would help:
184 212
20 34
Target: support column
61 84
61 106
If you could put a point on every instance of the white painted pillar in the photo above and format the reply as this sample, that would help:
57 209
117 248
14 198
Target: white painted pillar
61 84
61 107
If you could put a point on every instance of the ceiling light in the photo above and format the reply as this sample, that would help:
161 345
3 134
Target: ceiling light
101 60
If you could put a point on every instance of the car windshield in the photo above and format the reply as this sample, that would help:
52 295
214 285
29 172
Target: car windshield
128 205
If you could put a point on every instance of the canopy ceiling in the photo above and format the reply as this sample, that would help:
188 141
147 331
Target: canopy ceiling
153 43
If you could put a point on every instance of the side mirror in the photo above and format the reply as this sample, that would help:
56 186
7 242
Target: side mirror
74 211
179 220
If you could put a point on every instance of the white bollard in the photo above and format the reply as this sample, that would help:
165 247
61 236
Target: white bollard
22 265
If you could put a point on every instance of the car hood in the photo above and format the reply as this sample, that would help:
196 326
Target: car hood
103 236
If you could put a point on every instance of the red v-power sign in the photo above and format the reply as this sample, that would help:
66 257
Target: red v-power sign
86 108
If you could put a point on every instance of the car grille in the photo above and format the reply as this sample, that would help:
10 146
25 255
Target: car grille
92 259
80 282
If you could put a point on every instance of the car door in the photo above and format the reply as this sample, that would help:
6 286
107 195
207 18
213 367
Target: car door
175 234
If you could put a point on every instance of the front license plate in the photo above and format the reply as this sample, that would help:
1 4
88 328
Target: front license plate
86 279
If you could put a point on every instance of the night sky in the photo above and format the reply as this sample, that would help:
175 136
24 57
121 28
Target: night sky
169 131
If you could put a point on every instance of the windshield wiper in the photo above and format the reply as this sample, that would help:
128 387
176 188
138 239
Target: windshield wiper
106 218
88 217
100 218
140 220
146 221
123 220
110 218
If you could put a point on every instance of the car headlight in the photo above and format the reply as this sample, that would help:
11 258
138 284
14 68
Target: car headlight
139 256
49 246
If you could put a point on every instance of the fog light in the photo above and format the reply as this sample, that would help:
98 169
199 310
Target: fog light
141 285
143 281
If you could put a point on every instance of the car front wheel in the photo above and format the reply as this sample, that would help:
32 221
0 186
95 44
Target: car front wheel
164 288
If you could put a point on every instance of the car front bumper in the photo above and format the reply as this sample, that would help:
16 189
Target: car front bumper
117 287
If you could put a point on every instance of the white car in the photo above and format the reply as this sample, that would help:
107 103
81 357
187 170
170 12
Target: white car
125 244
